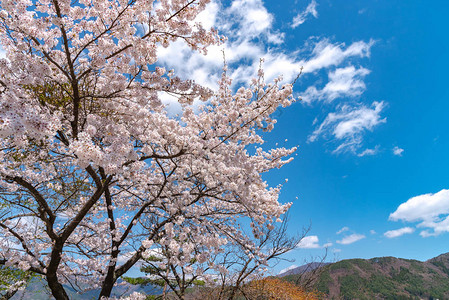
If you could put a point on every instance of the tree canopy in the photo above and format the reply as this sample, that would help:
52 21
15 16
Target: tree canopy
94 173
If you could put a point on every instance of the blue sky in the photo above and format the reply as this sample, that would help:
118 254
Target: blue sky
352 194
371 127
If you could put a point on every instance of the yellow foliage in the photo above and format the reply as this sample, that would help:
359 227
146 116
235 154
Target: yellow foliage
51 94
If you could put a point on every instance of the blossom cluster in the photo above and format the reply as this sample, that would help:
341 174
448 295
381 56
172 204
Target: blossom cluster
94 173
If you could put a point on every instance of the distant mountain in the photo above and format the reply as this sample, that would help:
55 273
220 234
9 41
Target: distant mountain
384 278
38 290
303 269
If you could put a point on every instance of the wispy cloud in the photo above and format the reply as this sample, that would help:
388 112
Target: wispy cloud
343 230
349 124
326 54
351 239
249 28
309 242
302 16
398 151
343 82
430 210
369 152
399 232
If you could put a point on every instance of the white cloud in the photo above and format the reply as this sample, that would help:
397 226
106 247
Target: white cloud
242 22
252 16
427 233
309 242
349 125
302 16
249 28
397 151
372 231
355 121
431 210
399 232
343 230
343 82
423 207
326 54
208 17
288 269
368 152
351 239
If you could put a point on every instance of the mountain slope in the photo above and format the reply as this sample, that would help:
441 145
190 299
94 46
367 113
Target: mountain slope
303 269
385 278
37 289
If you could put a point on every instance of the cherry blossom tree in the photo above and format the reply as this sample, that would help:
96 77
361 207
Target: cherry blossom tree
225 272
93 170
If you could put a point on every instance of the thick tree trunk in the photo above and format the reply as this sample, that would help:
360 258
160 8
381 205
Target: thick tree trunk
57 290
108 283
111 278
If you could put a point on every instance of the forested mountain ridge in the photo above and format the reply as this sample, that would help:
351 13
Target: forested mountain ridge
384 278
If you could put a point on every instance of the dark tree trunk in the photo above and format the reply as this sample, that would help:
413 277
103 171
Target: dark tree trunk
57 290
111 278
108 283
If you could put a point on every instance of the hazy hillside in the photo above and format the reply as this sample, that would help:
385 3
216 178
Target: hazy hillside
38 290
303 269
385 278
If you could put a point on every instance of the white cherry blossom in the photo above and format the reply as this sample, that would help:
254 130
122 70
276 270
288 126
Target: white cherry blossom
94 171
